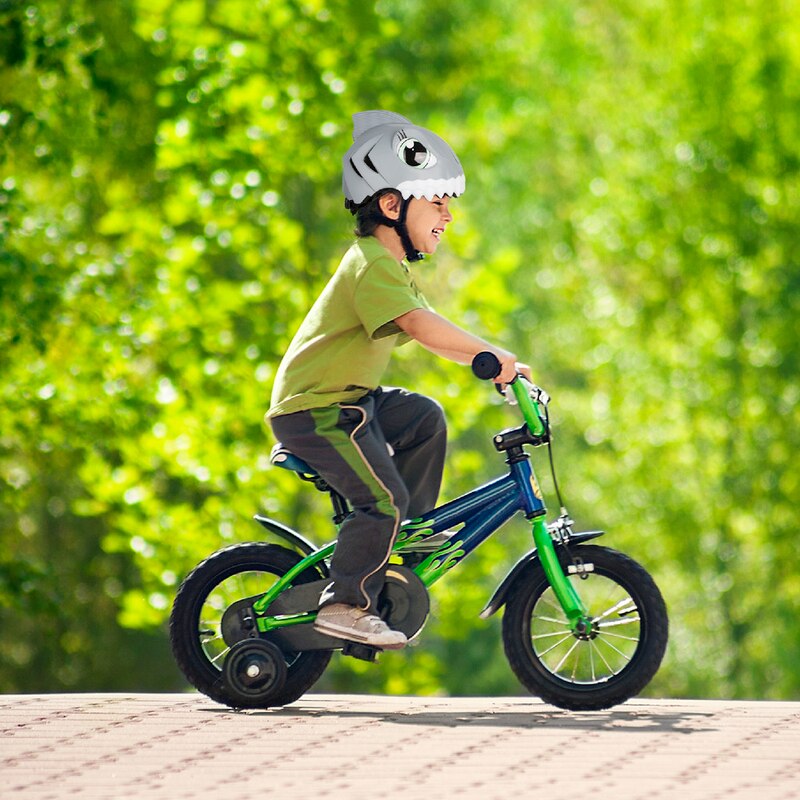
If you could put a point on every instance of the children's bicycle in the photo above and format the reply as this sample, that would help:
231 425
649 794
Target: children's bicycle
585 627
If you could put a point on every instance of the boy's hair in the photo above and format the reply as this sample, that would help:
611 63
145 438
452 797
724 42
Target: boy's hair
369 215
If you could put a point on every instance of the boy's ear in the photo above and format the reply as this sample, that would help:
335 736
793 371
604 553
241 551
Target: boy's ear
390 204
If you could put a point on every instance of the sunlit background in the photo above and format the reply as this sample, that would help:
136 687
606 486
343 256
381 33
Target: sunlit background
170 204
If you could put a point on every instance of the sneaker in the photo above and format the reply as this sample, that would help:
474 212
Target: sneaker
356 625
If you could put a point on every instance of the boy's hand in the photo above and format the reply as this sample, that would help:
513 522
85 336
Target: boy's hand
510 367
525 371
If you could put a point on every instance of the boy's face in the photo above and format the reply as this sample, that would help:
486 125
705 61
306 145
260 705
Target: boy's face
426 221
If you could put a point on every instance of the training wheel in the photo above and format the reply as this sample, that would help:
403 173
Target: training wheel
254 671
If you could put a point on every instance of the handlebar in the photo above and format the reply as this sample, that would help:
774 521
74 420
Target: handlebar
486 366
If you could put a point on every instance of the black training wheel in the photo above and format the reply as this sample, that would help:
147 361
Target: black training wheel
254 672
611 663
202 635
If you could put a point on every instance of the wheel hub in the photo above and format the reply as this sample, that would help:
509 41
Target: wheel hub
254 671
585 630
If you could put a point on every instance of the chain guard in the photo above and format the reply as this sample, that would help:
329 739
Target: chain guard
238 621
404 603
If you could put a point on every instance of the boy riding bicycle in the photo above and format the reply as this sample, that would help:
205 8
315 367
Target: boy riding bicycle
382 448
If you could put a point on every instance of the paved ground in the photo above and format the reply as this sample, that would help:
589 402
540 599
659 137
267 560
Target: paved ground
346 746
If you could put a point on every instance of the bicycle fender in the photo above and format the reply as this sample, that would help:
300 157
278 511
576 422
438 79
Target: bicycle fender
294 538
499 597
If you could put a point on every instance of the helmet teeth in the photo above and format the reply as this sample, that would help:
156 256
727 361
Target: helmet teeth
432 187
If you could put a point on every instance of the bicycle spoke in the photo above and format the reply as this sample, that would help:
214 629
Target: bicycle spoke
563 639
569 652
219 655
616 623
606 635
536 636
575 663
603 659
562 621
550 601
617 650
626 603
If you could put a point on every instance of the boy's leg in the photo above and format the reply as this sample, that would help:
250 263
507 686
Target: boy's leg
345 444
415 427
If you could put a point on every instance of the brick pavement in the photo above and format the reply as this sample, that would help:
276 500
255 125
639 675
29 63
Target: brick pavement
345 746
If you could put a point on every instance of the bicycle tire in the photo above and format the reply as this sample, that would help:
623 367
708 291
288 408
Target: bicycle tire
190 640
613 665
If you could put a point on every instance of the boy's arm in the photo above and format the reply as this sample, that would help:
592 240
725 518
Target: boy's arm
440 336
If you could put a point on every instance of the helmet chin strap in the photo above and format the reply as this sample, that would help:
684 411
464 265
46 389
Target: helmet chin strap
399 224
412 254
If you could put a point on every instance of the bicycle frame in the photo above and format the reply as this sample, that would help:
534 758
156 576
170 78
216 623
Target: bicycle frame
480 513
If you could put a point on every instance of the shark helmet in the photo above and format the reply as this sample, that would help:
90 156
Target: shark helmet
390 152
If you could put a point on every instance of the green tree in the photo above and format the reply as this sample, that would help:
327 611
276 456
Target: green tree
170 206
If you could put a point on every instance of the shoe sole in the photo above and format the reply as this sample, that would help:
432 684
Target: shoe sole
350 635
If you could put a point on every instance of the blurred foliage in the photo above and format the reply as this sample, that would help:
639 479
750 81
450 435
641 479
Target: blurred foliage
170 206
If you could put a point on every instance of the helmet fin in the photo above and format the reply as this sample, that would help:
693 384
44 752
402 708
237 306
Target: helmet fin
364 180
365 120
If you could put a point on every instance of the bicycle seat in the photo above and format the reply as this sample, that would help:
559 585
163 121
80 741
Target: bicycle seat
281 457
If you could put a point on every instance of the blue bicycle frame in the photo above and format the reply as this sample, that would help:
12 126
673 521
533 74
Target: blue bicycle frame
480 513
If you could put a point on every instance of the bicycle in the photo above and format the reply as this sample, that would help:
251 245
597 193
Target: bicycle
585 627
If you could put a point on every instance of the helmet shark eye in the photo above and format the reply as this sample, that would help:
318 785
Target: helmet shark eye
413 153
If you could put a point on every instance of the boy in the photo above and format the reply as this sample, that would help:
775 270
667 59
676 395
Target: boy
381 448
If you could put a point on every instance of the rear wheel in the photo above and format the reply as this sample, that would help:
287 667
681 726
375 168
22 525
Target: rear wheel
196 623
599 669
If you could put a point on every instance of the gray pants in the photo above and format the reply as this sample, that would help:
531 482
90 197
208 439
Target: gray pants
347 445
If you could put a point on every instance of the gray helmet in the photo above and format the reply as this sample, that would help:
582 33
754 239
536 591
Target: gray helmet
390 152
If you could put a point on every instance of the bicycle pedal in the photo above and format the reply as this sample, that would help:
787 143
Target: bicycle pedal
362 652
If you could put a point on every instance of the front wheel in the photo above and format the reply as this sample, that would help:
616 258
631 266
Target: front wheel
202 638
599 669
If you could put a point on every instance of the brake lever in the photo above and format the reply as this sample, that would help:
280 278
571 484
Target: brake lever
539 395
536 393
486 366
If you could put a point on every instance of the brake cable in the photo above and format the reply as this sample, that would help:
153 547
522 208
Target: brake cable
552 462
502 392
564 519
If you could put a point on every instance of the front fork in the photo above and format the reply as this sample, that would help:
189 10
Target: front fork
579 619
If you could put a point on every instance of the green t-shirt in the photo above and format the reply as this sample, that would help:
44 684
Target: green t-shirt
343 346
